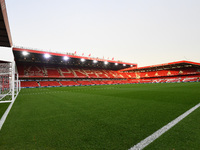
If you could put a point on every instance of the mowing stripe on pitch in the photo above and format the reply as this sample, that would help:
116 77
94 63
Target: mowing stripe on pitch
142 144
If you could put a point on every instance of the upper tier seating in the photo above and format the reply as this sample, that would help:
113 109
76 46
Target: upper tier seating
164 73
42 71
51 72
30 71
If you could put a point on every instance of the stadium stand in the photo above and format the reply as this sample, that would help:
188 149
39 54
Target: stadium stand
43 73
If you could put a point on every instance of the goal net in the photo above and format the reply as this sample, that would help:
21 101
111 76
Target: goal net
9 83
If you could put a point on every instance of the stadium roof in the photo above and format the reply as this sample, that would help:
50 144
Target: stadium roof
165 66
37 56
5 36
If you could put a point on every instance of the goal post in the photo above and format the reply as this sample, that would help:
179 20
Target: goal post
9 82
10 86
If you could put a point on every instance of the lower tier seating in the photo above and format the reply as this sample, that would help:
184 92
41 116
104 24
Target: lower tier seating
49 83
69 83
102 82
85 83
97 82
29 84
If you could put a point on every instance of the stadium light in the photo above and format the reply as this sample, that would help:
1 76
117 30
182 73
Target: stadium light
25 53
116 64
47 55
95 61
105 62
82 59
65 58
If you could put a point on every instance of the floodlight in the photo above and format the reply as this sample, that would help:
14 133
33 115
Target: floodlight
25 53
105 62
82 59
95 61
47 55
65 58
116 64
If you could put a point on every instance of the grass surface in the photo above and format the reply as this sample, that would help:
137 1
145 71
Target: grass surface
95 117
3 107
185 135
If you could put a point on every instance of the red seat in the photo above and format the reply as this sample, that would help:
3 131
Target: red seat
49 83
67 83
29 84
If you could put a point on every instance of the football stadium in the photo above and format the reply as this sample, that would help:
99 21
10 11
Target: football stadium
55 100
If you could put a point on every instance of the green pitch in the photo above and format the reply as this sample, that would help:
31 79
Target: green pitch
113 117
3 108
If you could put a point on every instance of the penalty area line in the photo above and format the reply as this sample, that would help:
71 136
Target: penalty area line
142 144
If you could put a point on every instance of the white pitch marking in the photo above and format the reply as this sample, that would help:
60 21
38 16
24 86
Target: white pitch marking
142 144
3 118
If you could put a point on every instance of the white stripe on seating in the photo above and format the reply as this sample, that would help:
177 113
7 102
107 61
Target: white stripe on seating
142 144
